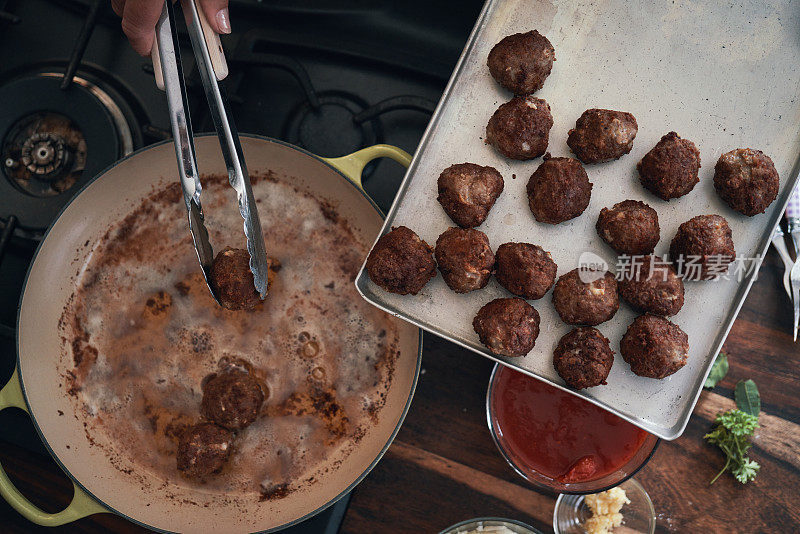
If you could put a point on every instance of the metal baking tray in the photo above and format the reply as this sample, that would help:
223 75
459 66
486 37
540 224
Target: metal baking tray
722 75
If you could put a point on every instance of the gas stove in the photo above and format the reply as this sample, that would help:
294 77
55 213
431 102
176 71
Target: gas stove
331 76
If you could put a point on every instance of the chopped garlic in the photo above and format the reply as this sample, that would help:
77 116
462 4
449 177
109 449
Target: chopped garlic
602 524
605 509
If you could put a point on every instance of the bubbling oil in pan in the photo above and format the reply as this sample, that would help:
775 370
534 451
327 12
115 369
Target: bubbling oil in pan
142 332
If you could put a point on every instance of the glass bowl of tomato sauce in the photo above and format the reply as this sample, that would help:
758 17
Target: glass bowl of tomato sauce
558 441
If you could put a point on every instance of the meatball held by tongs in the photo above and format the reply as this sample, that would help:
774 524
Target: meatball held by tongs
232 280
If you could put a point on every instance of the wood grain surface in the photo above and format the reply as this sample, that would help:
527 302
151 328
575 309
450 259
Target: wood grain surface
443 467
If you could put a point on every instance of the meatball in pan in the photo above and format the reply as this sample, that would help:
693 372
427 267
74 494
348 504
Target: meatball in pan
670 169
525 270
747 180
559 190
654 347
203 450
589 302
520 128
522 62
468 191
583 358
507 326
401 262
629 227
703 247
232 399
602 135
652 286
465 259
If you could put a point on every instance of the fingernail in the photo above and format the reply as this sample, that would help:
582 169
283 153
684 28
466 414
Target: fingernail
222 21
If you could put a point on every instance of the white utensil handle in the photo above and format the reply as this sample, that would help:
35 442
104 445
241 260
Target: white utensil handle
215 52
156 58
214 44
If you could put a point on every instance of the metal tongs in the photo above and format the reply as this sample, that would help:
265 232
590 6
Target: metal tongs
212 67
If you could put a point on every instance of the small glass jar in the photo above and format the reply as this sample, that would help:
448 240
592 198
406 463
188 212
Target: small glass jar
638 516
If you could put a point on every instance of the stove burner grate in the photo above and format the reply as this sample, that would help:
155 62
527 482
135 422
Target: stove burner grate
53 141
330 128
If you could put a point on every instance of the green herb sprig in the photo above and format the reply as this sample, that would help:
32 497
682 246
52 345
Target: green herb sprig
732 431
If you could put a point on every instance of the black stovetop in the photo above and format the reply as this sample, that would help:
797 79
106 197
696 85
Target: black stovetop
329 75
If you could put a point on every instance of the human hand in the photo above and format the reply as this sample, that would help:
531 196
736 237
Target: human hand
139 19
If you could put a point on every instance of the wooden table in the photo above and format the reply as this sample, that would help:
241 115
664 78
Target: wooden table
443 467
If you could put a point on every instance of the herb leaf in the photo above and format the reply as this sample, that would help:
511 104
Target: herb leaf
745 471
738 422
718 370
747 398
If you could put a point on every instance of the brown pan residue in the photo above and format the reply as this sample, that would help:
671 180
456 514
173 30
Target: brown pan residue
142 332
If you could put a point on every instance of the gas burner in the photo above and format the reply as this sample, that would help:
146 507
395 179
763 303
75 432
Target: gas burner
330 128
44 154
53 141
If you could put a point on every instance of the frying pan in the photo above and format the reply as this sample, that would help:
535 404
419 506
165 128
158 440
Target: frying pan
37 387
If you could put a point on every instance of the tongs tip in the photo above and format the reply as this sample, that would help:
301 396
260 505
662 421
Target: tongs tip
260 267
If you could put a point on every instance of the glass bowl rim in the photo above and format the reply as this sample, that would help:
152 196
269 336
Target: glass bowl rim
535 482
466 522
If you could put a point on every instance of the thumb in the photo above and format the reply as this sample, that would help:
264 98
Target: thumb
216 12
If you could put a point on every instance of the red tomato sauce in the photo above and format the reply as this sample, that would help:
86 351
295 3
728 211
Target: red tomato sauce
557 434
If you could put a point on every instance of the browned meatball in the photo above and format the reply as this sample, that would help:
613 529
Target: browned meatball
630 227
602 135
232 399
465 259
583 358
232 280
467 192
654 347
519 128
401 262
703 247
670 169
747 180
559 190
203 450
583 303
521 62
653 286
508 327
526 270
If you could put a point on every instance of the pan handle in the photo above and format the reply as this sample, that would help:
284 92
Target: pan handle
353 164
82 504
